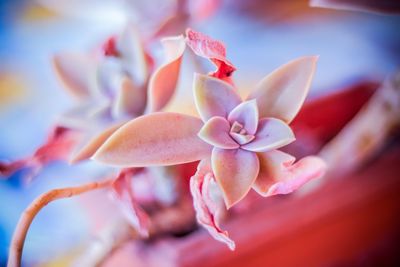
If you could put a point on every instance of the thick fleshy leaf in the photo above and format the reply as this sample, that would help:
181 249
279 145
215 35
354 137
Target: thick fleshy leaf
272 164
93 144
207 205
165 79
272 134
133 55
75 71
281 94
213 97
216 132
300 173
204 46
247 115
235 171
130 100
278 174
123 194
155 139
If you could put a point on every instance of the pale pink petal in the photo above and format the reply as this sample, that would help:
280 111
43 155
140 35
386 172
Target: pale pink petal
207 208
75 71
133 55
123 194
247 115
235 171
130 100
165 79
216 132
281 94
272 134
155 139
278 174
93 144
58 146
214 97
203 46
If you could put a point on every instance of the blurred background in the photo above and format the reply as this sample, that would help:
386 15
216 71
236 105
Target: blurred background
259 35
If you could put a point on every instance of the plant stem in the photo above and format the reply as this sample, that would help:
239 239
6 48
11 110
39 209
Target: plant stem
18 240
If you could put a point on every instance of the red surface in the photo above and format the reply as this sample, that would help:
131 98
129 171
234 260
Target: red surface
347 221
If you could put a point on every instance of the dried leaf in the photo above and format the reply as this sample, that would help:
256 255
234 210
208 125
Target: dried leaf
208 209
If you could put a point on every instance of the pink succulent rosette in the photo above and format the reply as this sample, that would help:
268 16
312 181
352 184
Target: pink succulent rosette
121 83
129 99
242 139
112 87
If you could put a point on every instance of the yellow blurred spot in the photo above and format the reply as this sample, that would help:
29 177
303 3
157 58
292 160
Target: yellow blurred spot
12 88
66 260
35 12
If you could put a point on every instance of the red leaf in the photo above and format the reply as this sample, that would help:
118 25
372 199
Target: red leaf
110 47
123 193
214 50
58 146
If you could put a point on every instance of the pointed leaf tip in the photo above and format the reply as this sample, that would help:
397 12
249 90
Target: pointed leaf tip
271 134
156 139
235 171
93 144
213 97
282 93
164 81
74 70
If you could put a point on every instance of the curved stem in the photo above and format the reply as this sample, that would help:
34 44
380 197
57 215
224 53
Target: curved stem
17 243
